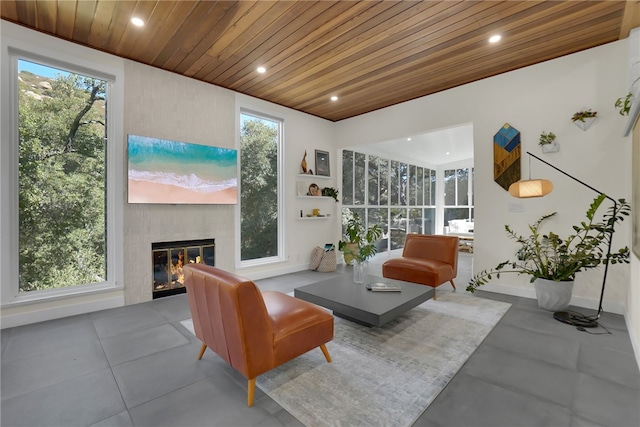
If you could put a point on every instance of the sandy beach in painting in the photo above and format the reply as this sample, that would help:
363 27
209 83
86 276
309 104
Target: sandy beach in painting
151 192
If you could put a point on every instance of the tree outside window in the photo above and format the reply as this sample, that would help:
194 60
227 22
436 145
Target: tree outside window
61 178
259 143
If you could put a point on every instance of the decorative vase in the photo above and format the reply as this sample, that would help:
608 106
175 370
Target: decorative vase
552 295
358 272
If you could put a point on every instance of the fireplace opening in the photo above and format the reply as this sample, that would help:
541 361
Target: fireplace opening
168 259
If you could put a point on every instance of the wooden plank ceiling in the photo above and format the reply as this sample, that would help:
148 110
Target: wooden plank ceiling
371 54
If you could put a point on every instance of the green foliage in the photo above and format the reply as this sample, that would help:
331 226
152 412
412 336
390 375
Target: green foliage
584 114
546 138
623 105
548 256
363 237
259 194
62 184
330 192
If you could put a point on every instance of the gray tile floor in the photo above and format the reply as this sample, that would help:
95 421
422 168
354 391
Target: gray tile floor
137 366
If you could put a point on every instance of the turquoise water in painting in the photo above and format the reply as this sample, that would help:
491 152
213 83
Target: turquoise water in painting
191 166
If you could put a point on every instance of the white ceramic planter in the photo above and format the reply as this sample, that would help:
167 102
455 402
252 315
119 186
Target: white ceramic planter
552 295
587 122
551 148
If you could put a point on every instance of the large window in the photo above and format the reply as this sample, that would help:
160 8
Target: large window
61 190
61 178
397 196
260 219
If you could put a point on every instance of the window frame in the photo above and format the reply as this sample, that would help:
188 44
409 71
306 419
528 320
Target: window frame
469 206
57 54
405 184
281 255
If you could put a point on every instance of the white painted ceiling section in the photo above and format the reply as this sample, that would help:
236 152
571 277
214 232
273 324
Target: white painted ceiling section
432 148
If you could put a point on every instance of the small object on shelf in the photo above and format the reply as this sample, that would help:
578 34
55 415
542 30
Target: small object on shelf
303 163
383 287
330 192
322 163
314 190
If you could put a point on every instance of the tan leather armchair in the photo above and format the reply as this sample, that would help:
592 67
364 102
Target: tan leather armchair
426 259
253 331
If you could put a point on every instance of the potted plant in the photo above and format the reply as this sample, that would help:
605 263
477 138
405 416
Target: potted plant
330 192
359 244
624 104
553 261
584 118
548 142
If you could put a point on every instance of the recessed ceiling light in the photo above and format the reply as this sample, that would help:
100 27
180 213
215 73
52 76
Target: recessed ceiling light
447 153
137 22
495 39
334 98
408 139
261 70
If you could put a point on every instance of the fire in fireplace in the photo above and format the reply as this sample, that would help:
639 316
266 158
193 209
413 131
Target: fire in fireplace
168 259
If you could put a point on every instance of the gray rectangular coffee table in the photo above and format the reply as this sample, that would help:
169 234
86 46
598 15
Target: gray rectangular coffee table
356 303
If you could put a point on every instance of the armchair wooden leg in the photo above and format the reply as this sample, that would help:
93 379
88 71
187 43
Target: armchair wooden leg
325 352
434 294
251 386
202 349
453 284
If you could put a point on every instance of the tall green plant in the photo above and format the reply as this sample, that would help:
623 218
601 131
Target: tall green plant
364 239
548 256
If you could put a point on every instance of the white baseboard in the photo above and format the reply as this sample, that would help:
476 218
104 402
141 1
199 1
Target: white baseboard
274 271
633 335
575 301
26 315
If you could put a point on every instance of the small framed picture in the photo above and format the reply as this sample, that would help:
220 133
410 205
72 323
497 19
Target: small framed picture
322 163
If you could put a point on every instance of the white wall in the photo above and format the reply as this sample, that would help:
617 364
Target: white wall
633 298
539 98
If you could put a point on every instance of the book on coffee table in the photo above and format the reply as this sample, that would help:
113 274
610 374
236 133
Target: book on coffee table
383 287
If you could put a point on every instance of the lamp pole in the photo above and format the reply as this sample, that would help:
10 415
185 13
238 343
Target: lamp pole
565 317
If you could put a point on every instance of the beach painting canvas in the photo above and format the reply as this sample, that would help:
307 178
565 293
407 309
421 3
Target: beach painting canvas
171 172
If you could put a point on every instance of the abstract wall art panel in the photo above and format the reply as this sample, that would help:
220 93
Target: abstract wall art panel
506 156
172 172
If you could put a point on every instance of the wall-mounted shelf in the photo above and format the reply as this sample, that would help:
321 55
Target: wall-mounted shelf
308 176
313 218
315 197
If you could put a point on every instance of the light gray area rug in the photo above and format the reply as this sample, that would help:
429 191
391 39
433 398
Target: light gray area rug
384 376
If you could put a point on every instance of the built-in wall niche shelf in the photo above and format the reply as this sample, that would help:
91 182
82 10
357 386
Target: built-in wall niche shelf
309 176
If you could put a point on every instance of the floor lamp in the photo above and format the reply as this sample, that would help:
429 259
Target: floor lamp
542 187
